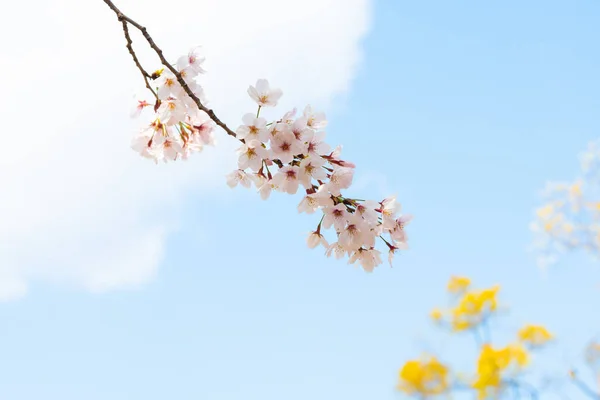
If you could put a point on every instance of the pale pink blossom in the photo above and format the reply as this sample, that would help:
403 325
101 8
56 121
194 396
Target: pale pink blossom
393 249
277 128
336 216
314 120
301 131
370 235
188 74
337 250
368 258
189 147
316 146
284 147
334 158
263 94
315 238
171 111
287 179
258 179
351 236
308 204
202 132
137 110
312 201
238 177
397 230
193 60
288 117
251 155
266 189
341 178
169 148
389 208
312 168
253 129
142 143
169 86
367 210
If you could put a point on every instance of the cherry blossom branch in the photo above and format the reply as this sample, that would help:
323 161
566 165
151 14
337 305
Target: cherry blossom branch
126 20
292 145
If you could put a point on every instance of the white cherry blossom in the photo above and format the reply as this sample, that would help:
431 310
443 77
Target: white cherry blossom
315 238
314 120
341 178
254 128
251 155
263 95
336 216
312 168
284 147
287 179
238 177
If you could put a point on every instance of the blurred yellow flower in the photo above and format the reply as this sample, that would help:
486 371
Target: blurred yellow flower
436 314
473 307
493 363
425 377
534 335
458 284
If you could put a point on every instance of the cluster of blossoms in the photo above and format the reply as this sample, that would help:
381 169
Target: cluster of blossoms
497 368
178 128
286 155
570 217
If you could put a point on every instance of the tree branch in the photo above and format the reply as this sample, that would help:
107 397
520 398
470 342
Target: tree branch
126 20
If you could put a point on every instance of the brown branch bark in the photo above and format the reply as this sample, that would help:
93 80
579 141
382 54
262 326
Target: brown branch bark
126 20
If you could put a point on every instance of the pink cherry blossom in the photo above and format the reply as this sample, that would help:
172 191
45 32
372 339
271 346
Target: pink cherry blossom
314 120
253 129
284 147
336 216
315 238
266 189
351 236
139 107
251 155
397 231
341 178
263 94
238 177
316 146
337 250
368 258
312 168
192 61
367 210
287 179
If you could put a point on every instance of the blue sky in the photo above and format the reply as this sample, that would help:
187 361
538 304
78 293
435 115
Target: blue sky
464 111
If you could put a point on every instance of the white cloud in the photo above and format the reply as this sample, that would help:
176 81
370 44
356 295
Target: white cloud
77 206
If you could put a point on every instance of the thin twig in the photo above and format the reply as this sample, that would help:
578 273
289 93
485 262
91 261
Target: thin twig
129 45
126 20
